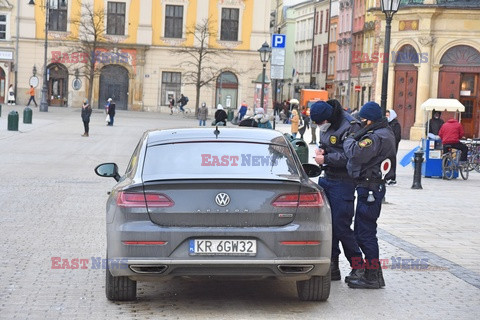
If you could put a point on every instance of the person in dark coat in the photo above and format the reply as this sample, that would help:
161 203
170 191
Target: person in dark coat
86 113
220 116
111 112
368 152
432 127
397 132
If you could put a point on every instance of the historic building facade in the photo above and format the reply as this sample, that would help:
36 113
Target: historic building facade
435 53
139 64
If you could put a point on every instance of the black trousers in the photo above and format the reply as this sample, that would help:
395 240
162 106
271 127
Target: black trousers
32 98
85 125
459 146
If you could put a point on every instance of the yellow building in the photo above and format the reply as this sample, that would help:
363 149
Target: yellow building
138 62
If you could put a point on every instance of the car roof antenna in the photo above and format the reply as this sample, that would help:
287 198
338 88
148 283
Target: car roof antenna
216 131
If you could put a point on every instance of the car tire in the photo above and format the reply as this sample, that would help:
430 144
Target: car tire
119 288
317 288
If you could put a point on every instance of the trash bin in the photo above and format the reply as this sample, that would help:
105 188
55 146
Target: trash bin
301 148
27 115
289 137
230 115
13 121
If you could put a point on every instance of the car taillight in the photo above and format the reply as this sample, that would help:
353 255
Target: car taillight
299 200
132 200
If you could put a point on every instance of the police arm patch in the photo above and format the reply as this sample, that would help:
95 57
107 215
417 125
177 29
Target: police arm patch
365 143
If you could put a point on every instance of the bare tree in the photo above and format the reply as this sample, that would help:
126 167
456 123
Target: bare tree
91 38
201 66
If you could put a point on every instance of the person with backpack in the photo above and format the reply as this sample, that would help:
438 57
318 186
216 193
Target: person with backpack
202 114
220 116
183 102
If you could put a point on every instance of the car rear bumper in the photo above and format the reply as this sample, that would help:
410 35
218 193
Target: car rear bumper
292 269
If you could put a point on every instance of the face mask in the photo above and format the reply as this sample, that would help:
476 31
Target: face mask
324 127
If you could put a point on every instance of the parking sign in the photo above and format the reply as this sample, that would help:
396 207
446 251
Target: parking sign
278 41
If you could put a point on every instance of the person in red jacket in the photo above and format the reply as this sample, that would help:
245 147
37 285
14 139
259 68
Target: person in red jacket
451 132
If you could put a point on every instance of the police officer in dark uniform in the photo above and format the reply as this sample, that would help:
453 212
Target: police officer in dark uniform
334 123
371 155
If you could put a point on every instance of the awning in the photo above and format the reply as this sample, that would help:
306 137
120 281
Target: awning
441 105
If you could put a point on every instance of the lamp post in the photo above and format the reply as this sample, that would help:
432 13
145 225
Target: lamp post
389 7
264 51
44 102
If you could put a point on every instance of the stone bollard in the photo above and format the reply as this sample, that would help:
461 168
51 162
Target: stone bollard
417 174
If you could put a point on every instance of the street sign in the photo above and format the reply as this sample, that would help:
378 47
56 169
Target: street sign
276 72
278 56
358 88
278 41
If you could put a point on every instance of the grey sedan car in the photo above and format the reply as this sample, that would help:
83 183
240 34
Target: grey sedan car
228 202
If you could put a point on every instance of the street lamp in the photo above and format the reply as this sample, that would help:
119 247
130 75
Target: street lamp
264 51
389 7
44 102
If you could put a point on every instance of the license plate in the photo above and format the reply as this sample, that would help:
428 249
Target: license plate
222 247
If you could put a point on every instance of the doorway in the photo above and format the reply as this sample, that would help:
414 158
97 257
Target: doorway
57 85
405 97
114 84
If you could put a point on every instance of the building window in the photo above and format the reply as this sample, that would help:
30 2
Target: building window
57 16
325 58
3 26
116 18
229 28
173 21
321 21
171 87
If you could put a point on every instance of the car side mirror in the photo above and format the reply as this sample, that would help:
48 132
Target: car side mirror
312 170
108 170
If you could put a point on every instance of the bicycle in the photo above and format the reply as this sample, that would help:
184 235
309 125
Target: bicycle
473 158
176 109
451 164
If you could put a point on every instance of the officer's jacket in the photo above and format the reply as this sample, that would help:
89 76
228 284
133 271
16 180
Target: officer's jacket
332 142
367 153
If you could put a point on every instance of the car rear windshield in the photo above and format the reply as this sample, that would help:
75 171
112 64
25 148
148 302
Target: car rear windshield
219 160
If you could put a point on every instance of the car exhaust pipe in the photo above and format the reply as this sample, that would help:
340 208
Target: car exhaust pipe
147 268
295 269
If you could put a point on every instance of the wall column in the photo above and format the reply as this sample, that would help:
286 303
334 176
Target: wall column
417 131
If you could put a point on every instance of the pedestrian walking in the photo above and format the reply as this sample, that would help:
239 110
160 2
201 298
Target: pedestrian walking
397 132
11 95
183 102
368 152
304 122
294 123
107 106
111 112
171 105
86 113
202 114
31 92
339 187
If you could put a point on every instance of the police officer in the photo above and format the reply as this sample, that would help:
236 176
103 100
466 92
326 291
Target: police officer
334 123
371 154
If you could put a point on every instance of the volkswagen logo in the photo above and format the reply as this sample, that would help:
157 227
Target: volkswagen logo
222 199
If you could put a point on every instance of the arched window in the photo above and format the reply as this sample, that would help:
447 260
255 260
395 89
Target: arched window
461 56
227 90
406 55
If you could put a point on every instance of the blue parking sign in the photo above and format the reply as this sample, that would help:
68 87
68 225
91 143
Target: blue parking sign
278 41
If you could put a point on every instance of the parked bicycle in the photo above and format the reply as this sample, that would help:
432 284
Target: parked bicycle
473 158
176 109
451 164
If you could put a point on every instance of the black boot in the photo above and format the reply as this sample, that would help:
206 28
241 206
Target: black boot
335 270
381 281
355 274
369 280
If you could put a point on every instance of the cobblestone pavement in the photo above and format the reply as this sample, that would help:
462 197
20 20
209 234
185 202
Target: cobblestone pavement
53 205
